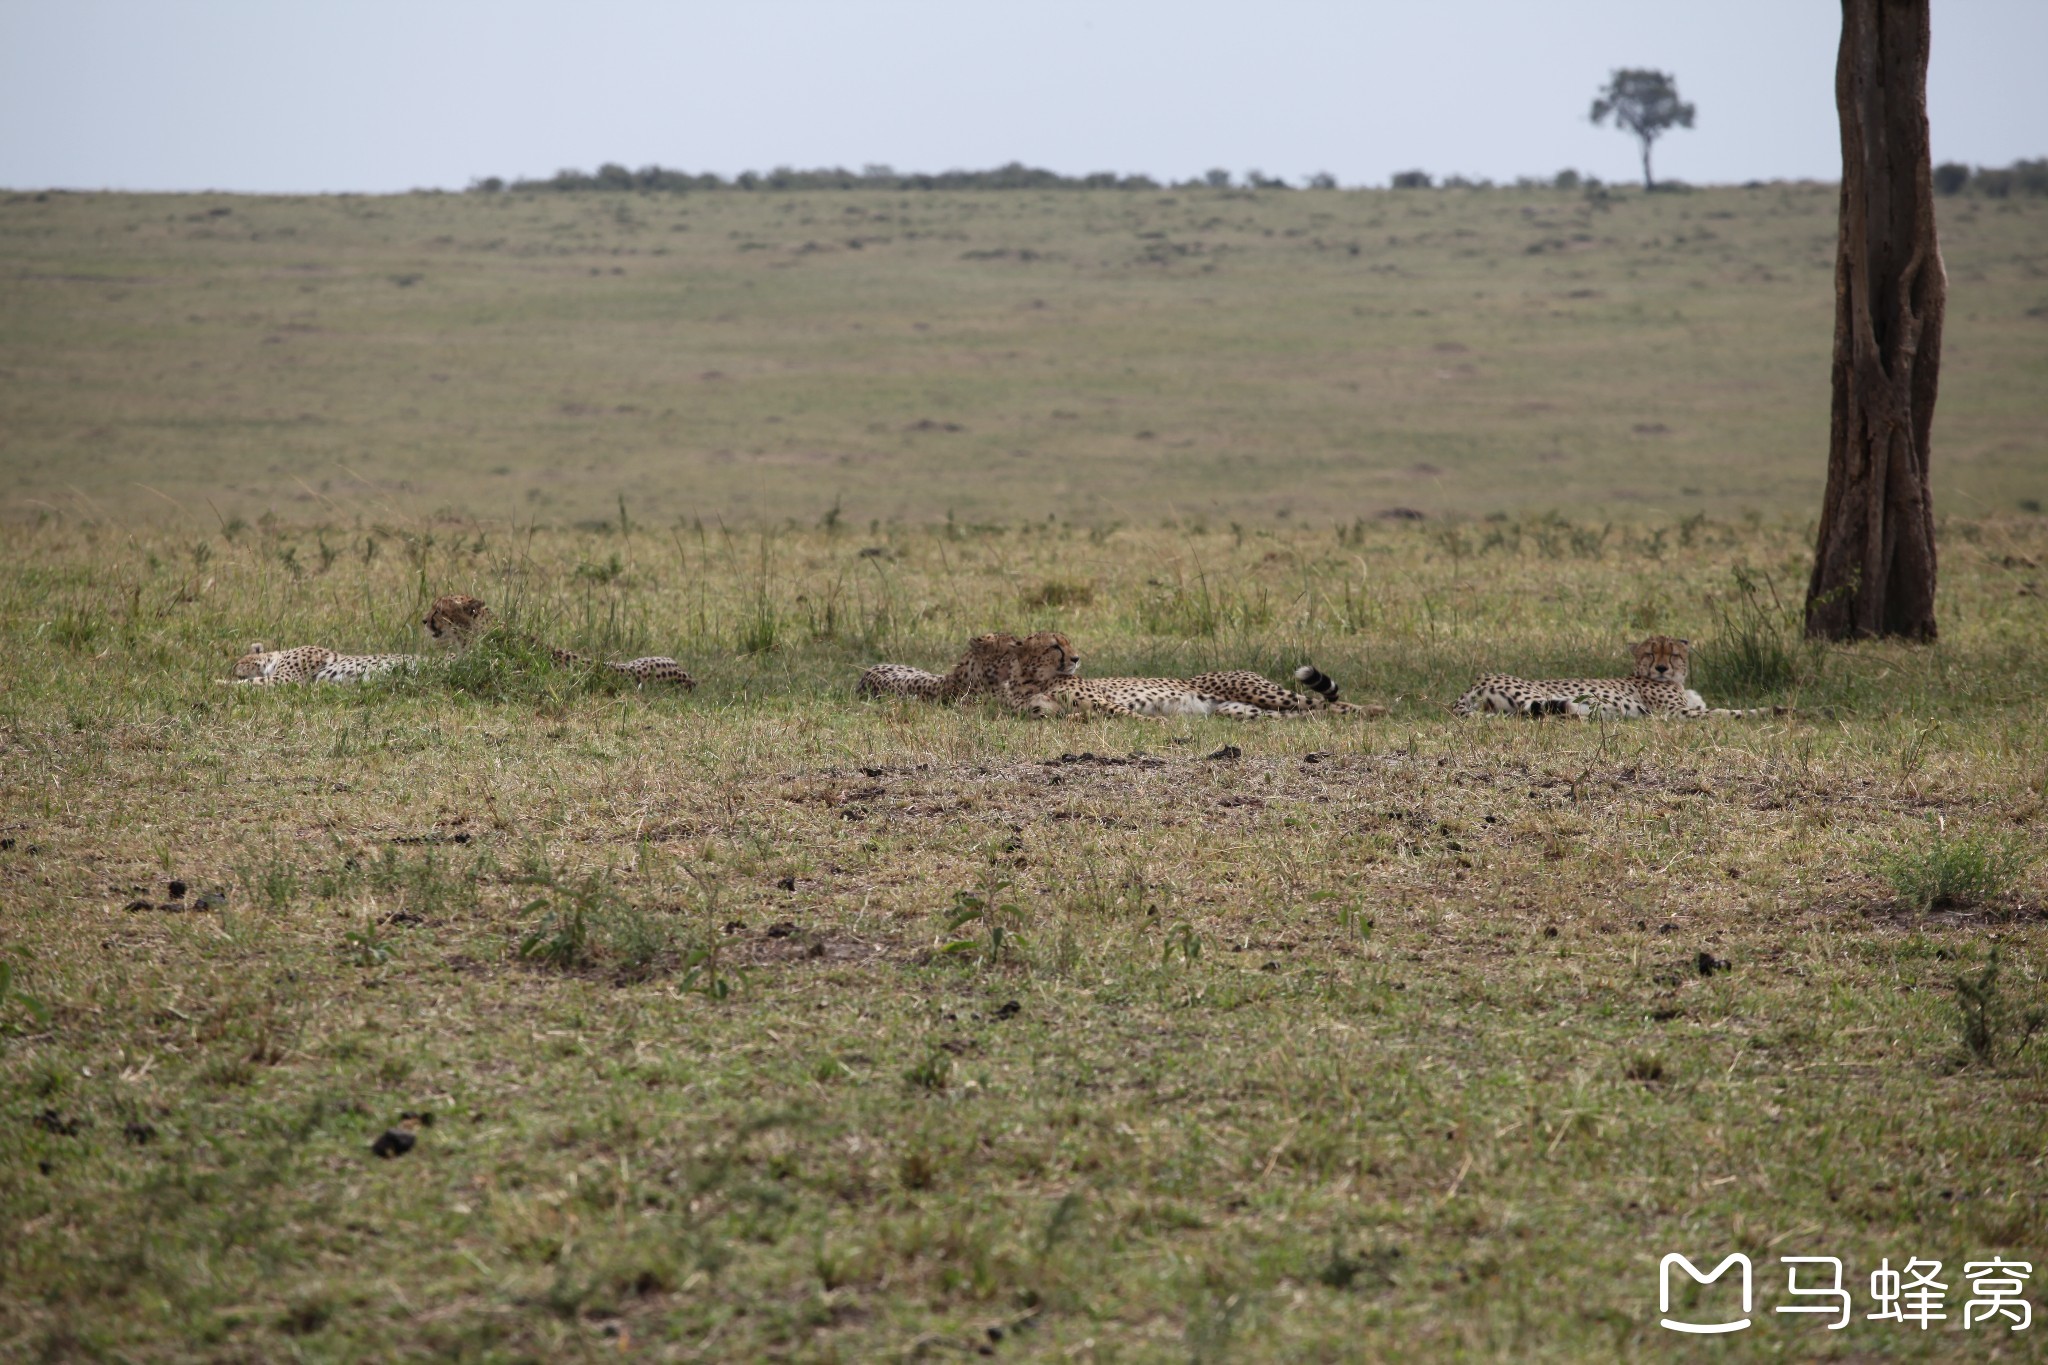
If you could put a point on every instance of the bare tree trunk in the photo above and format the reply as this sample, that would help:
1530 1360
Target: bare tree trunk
1648 184
1873 568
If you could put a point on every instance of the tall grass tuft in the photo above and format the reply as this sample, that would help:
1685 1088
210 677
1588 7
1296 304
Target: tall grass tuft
1939 871
1756 650
511 665
75 630
1198 609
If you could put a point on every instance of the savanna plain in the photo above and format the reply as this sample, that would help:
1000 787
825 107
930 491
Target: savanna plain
761 1021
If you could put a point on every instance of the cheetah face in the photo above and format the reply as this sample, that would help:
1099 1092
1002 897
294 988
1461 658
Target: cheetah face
986 657
255 663
1043 659
1662 659
454 616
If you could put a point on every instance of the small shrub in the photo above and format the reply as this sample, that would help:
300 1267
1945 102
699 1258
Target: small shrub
1372 1269
587 923
934 1073
366 947
560 940
917 1170
563 937
1054 593
1940 871
606 572
1412 180
1950 177
1985 1018
637 942
12 997
996 920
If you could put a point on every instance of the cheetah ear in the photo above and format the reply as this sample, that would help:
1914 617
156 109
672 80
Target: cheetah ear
258 647
1684 644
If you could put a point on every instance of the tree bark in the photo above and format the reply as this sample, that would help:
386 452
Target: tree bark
1873 567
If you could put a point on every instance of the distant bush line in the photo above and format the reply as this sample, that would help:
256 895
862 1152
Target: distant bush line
1950 178
1015 176
2022 177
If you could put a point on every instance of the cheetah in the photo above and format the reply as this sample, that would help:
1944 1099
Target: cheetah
314 663
264 666
458 616
1041 680
977 672
1657 688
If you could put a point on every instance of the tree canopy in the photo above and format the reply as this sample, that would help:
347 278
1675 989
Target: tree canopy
1644 103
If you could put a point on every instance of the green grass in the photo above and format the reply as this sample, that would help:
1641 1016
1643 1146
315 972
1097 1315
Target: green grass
761 1022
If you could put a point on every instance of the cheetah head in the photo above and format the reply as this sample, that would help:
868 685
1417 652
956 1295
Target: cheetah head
1662 658
455 616
255 663
1042 659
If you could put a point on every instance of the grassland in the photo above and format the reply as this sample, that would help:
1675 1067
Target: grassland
1100 357
759 1022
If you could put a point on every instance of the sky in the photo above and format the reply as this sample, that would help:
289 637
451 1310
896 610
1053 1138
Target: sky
368 95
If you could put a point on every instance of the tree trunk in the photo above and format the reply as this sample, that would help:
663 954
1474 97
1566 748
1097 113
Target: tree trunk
1873 568
1648 184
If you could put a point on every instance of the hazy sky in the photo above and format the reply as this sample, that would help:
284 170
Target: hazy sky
371 95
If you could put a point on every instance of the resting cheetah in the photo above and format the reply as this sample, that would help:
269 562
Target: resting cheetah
989 658
976 672
457 616
1657 689
314 663
1041 679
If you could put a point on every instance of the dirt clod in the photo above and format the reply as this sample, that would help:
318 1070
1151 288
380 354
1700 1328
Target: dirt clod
393 1142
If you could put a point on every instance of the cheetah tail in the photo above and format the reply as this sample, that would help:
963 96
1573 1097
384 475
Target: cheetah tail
1318 682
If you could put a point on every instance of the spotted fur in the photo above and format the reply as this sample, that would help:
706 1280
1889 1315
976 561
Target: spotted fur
976 672
1657 688
1255 689
314 663
1041 680
264 666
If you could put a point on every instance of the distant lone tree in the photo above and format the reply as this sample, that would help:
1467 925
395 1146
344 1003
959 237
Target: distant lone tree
1873 565
1646 104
